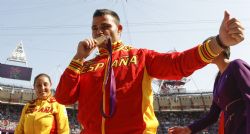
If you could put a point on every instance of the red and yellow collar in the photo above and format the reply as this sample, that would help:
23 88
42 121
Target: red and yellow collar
116 46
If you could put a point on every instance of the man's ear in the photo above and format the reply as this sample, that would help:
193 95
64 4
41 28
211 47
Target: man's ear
119 29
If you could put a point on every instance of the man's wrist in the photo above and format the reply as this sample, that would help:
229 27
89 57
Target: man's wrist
220 43
78 58
209 49
215 47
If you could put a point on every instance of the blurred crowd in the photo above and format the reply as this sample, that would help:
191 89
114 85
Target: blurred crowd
10 114
181 118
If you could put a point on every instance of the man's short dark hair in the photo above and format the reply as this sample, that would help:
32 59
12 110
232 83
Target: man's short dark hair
102 12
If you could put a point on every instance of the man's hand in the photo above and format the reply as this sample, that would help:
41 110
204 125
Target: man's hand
85 48
231 31
179 130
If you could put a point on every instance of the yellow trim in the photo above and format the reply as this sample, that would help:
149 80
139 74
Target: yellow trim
103 95
79 61
147 105
204 51
115 47
117 42
209 49
103 125
201 55
74 69
120 48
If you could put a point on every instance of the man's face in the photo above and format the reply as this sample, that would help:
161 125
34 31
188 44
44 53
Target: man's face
106 25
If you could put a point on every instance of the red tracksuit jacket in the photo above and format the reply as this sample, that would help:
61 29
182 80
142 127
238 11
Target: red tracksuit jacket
133 70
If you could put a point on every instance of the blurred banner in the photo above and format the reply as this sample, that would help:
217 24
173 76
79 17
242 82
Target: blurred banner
15 72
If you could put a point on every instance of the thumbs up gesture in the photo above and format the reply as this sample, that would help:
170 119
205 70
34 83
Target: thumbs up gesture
231 31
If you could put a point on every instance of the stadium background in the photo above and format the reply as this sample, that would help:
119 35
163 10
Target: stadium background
45 26
173 106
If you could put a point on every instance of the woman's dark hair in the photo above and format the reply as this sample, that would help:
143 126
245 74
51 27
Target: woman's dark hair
226 52
102 12
39 75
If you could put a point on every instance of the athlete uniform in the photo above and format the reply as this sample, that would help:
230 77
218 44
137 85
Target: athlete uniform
43 117
133 71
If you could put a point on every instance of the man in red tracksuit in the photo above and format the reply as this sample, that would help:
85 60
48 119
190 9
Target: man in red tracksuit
114 88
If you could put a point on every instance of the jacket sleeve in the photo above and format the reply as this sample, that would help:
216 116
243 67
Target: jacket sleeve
175 65
208 120
67 89
242 74
20 127
62 120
